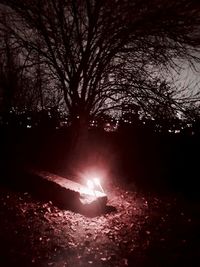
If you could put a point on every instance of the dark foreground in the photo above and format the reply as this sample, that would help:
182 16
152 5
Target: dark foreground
144 230
158 229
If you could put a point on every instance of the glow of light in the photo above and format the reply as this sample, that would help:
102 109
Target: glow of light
90 184
97 183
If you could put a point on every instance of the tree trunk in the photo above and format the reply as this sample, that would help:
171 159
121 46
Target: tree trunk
78 142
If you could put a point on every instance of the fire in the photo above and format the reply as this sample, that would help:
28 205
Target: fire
98 184
90 184
96 181
95 184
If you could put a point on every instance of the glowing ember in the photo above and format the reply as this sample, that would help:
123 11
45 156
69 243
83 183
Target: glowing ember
93 183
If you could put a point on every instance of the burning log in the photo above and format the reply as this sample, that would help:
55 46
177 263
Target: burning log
69 194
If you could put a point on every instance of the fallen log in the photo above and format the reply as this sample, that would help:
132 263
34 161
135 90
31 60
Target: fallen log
65 193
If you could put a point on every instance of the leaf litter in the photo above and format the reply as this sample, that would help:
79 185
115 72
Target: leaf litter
141 231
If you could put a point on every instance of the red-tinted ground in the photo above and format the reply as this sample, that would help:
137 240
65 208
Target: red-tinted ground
144 230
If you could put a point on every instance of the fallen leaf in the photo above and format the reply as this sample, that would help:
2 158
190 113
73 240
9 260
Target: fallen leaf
125 262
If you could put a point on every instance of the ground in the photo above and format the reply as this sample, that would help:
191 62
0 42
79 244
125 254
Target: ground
140 229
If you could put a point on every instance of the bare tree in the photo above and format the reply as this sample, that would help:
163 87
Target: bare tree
80 40
9 72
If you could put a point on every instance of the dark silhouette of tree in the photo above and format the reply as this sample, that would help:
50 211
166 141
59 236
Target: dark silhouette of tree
46 89
9 73
81 41
192 112
101 53
16 85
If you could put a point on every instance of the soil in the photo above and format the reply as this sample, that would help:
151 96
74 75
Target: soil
140 229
